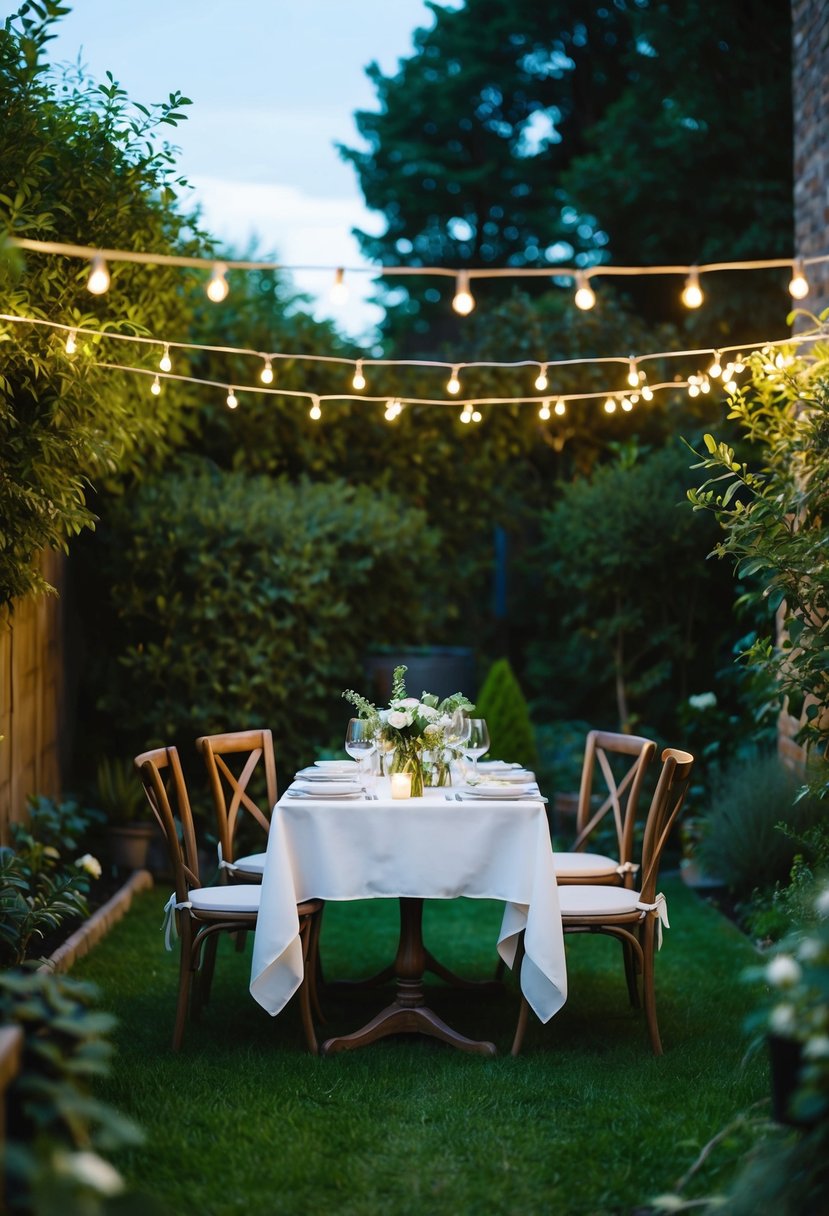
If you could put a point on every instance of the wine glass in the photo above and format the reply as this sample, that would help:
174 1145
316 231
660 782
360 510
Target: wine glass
476 743
359 741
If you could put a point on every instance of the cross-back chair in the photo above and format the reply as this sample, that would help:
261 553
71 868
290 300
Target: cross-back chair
634 917
233 761
612 774
201 913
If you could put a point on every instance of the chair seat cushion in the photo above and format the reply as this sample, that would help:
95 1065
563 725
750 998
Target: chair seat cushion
584 865
235 897
253 863
596 901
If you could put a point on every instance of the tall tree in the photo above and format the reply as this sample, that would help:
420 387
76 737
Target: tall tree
520 134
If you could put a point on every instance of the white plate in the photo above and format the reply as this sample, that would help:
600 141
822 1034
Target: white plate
322 775
512 775
490 790
494 766
323 795
326 788
339 766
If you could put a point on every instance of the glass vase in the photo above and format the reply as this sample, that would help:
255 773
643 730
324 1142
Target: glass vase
408 758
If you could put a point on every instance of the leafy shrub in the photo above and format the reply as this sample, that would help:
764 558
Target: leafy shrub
231 602
741 842
57 1128
502 703
40 887
771 914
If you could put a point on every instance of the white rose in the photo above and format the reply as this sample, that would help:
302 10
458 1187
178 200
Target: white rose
90 864
782 1019
407 703
428 712
783 971
398 720
91 1170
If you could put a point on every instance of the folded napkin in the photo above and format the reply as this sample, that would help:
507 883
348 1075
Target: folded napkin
492 766
324 776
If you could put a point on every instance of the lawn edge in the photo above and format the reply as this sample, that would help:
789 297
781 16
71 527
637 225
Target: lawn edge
98 925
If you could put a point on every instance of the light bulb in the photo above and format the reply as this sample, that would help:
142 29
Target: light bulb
585 297
266 374
610 406
541 378
627 406
98 281
466 414
476 415
359 380
453 384
165 362
544 411
647 392
155 387
739 366
633 373
232 399
71 343
315 411
715 369
217 287
560 407
692 295
705 385
464 301
339 291
730 386
634 400
799 284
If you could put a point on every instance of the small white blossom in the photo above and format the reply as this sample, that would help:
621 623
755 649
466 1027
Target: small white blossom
809 950
703 700
398 720
817 1048
428 712
407 703
782 1019
90 864
91 1170
783 971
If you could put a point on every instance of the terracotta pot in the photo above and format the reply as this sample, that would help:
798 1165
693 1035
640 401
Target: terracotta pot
129 844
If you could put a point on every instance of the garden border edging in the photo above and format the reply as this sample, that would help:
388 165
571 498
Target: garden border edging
98 925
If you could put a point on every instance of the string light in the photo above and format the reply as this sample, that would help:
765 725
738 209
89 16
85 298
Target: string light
544 411
165 362
453 384
217 288
463 301
647 392
633 373
71 342
98 281
476 415
359 380
560 407
705 385
232 399
466 414
585 297
715 369
266 374
799 284
339 291
541 378
610 406
155 387
692 296
393 409
315 411
731 386
627 404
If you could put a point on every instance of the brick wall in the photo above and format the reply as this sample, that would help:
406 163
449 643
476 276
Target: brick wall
810 74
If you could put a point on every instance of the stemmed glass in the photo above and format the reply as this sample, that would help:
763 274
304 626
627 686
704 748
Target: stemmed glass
476 743
360 742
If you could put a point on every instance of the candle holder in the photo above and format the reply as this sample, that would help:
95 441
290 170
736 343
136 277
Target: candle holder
401 785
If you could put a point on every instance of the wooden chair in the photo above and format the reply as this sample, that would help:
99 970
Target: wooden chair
633 917
616 765
201 913
232 761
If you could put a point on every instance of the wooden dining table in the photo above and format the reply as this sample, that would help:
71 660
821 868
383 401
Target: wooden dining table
432 847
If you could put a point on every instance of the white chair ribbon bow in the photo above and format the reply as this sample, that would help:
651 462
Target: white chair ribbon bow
660 909
169 922
627 867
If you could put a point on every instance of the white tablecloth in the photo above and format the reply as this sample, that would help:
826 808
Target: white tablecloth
421 847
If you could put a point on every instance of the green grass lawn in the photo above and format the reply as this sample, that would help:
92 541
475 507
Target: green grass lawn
586 1120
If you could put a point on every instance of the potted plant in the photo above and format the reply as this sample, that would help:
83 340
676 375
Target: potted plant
130 828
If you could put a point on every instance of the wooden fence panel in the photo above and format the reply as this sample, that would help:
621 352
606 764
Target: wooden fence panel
31 692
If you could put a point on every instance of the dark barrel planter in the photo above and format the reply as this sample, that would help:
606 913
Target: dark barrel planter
442 670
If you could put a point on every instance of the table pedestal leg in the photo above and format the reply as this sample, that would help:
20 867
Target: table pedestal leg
408 1013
